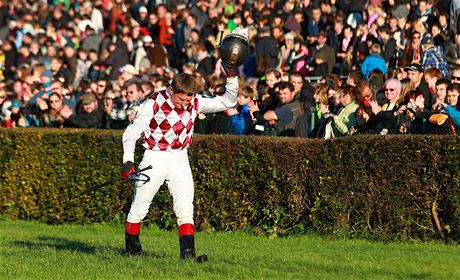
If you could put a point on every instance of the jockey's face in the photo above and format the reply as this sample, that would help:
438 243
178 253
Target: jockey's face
181 100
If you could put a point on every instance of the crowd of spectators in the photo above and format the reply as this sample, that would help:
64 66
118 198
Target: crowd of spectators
322 69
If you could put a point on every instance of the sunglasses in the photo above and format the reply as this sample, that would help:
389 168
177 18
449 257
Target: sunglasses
390 89
455 78
111 98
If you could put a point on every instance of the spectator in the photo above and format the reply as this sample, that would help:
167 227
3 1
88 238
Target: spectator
95 16
373 61
453 92
286 54
91 117
241 117
207 62
344 50
345 120
431 75
301 57
415 73
127 72
440 94
117 58
412 52
273 77
5 112
452 107
455 75
321 65
412 113
16 117
366 93
303 90
387 113
51 111
389 46
266 50
283 119
406 86
329 53
433 57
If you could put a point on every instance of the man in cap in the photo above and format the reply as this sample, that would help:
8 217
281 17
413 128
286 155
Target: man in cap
127 72
91 117
415 74
142 19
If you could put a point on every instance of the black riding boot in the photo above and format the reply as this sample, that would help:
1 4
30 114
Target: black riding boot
187 247
133 244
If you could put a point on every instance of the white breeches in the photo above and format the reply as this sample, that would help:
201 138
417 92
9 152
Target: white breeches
172 166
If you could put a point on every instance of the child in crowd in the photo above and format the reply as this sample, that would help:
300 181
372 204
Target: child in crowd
241 117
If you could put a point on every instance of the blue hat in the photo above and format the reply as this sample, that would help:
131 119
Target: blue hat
16 103
48 73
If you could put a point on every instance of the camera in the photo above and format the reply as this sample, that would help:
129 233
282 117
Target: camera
441 108
411 106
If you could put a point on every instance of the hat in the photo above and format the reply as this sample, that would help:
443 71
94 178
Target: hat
143 9
16 104
128 68
289 36
88 98
147 39
427 40
414 67
48 73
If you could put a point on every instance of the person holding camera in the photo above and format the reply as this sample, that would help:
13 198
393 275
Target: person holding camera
412 113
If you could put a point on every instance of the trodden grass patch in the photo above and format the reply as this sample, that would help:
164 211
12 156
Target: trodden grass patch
30 250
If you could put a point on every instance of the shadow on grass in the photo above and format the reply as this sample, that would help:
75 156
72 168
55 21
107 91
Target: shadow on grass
65 244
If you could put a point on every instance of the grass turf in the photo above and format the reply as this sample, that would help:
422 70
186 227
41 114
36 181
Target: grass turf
30 250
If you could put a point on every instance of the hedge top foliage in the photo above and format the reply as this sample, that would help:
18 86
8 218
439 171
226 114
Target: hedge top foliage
401 186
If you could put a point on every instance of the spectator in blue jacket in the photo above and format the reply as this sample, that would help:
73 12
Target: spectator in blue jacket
241 117
373 61
453 106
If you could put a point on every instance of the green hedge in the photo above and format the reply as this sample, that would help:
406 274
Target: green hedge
370 186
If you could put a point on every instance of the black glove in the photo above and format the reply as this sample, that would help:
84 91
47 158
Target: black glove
127 169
